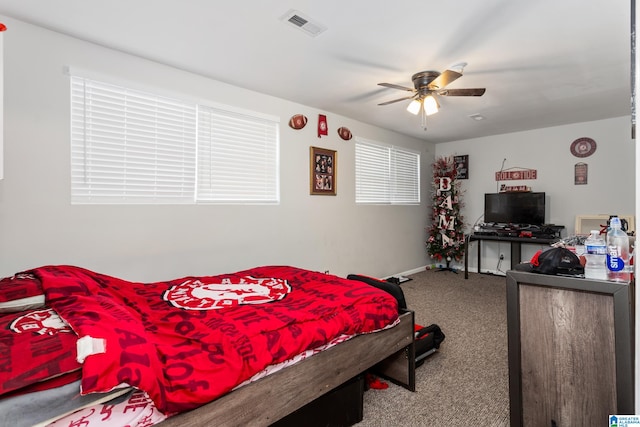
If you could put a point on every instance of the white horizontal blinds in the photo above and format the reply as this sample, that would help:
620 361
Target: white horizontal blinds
129 146
372 173
237 157
386 174
405 176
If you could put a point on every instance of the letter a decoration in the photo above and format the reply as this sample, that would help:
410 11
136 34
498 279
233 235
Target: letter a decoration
446 236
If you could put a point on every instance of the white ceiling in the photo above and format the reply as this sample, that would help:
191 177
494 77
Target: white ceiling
543 62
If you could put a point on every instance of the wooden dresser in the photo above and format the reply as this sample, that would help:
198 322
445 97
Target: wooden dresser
570 350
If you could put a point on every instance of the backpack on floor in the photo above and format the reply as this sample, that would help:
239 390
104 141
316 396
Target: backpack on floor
427 339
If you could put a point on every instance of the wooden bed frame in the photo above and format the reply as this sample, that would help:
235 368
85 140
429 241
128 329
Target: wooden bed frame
390 353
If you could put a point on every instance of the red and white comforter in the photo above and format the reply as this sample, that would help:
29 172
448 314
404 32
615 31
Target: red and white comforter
187 341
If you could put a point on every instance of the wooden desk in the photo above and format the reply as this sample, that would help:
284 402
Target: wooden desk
570 346
515 243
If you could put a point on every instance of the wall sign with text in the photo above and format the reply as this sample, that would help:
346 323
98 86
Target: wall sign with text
515 175
462 166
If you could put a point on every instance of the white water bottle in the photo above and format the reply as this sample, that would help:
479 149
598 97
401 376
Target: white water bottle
595 253
618 268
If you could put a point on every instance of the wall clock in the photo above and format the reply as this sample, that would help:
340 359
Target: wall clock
583 147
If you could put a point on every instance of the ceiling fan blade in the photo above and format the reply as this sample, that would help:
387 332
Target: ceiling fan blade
462 92
396 100
444 79
392 86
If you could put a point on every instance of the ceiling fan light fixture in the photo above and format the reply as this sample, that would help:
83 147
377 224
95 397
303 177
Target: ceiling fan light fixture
414 107
430 105
427 84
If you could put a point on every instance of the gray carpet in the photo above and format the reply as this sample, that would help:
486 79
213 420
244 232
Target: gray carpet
466 382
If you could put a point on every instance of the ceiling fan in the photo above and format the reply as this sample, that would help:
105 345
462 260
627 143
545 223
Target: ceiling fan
428 85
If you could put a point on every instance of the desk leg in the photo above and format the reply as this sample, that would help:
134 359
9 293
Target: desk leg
515 253
479 255
466 257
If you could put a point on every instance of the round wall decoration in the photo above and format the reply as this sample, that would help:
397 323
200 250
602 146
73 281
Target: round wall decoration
297 121
345 133
583 147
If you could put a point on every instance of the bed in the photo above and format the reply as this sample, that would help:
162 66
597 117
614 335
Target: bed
163 342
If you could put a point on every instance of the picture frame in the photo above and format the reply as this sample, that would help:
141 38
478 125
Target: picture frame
323 171
462 166
580 174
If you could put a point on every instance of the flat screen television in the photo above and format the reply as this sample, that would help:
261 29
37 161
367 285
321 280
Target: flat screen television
514 208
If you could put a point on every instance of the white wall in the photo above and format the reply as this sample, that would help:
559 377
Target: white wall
38 224
611 189
611 180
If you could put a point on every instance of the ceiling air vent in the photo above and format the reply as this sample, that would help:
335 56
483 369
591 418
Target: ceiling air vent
303 23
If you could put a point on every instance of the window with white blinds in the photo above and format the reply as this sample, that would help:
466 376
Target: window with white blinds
129 147
237 157
386 174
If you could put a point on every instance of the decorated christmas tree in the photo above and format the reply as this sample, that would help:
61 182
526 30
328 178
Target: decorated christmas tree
446 237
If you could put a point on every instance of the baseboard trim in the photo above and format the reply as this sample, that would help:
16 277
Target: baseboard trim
408 272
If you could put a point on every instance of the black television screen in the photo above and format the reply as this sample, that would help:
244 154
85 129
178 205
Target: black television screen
514 208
